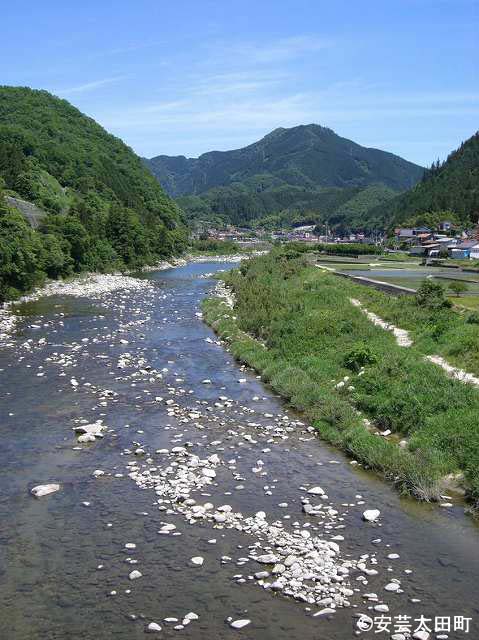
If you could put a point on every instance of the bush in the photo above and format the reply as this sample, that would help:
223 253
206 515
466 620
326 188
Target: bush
432 295
360 356
473 318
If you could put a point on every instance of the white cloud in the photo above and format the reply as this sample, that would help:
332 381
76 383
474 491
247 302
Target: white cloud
243 82
88 86
280 50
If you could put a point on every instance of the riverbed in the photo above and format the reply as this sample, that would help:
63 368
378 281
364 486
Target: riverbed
142 364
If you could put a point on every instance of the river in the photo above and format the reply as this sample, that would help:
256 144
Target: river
64 566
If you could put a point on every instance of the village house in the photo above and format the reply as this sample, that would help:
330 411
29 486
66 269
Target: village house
410 234
464 250
445 225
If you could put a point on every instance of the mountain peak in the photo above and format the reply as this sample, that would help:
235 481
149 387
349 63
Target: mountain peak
306 155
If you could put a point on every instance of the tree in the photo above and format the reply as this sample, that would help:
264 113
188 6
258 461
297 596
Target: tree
432 295
19 254
55 259
458 287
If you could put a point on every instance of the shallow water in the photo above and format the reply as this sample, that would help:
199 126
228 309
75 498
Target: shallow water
50 587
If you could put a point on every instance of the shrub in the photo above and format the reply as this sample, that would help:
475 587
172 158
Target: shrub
473 318
432 295
360 356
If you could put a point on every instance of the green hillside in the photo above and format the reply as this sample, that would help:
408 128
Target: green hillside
449 187
105 210
290 171
344 208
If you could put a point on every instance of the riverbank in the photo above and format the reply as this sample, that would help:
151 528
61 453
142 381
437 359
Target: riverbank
93 285
98 284
365 393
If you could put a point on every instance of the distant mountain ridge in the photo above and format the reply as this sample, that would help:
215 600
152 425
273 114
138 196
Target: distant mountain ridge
306 156
286 168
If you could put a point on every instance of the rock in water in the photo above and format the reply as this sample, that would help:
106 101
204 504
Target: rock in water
153 627
371 515
239 624
421 635
316 491
134 575
44 489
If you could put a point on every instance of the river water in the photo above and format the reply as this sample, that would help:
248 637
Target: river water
50 548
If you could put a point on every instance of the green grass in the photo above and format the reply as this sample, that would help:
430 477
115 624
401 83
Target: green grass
468 302
453 334
311 337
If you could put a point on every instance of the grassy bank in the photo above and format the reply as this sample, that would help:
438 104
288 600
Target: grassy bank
296 326
451 333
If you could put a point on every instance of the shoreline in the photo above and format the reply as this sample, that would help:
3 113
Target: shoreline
92 284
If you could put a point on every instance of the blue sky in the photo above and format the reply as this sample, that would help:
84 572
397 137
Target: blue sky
189 76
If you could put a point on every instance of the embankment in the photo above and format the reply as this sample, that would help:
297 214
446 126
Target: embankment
384 405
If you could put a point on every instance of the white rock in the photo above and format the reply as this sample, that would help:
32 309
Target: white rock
197 560
392 586
316 491
153 627
86 437
421 635
267 558
239 624
134 575
371 515
44 490
324 612
191 616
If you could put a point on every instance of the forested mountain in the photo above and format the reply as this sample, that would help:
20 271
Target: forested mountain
104 209
450 186
305 168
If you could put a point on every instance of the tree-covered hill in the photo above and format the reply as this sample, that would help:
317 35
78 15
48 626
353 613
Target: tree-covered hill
105 210
307 167
451 186
344 208
304 156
